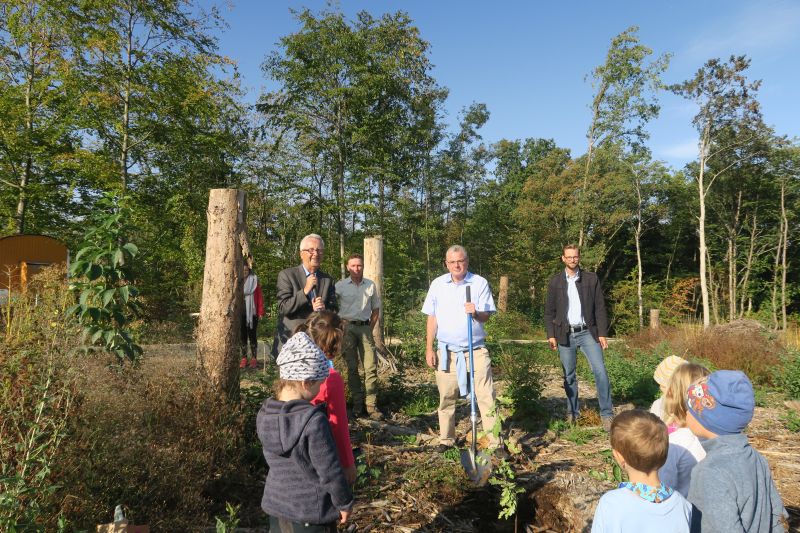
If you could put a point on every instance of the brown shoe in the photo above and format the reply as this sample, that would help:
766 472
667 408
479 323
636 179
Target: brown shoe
607 424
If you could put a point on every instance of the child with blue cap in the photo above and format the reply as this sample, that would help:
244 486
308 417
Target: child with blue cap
732 488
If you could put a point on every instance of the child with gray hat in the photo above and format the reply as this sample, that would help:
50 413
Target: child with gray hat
305 489
732 488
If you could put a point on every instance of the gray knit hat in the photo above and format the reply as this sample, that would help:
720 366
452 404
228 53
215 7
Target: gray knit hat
302 360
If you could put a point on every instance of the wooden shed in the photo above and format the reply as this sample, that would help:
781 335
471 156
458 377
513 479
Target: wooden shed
22 256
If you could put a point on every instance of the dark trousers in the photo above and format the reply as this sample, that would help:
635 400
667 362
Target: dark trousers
249 335
282 525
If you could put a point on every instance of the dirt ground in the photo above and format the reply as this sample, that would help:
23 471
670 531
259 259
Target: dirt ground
406 486
563 480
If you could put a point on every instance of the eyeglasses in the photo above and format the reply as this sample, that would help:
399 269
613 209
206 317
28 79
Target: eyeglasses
457 262
571 257
312 251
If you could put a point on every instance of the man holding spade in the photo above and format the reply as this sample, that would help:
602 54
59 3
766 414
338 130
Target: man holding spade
452 320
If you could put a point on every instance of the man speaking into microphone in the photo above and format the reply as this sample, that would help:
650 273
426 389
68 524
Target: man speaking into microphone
447 308
301 290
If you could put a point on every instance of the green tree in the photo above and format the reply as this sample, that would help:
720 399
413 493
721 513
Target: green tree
353 99
129 54
36 114
623 102
104 281
727 101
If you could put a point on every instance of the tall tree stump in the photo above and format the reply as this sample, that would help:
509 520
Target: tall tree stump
502 297
373 270
655 318
221 308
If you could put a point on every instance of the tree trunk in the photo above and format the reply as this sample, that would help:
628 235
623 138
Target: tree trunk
733 254
775 273
655 318
221 308
749 265
713 290
373 270
502 296
638 240
702 235
784 264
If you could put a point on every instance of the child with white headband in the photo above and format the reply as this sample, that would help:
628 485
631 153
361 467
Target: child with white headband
305 489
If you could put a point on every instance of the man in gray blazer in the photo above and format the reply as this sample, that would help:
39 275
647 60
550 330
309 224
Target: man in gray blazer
302 290
575 317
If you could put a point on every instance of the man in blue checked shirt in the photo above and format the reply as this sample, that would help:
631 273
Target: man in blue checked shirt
447 308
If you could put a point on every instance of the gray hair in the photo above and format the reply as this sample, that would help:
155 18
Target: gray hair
456 248
311 236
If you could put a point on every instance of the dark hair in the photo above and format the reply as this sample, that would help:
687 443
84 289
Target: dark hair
355 255
326 330
641 438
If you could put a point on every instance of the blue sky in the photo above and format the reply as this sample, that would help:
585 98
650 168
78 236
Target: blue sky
527 60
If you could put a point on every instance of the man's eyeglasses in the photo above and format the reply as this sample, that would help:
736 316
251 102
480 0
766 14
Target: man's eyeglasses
457 262
312 251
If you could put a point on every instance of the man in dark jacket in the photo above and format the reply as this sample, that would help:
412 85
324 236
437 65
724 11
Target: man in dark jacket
302 290
575 316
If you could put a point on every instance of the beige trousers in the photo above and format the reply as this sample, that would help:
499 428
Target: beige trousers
447 382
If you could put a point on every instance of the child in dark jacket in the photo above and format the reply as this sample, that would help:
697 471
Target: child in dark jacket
732 488
305 489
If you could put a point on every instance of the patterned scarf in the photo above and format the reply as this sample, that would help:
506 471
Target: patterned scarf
651 494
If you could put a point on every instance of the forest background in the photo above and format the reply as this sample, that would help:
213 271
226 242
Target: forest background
133 98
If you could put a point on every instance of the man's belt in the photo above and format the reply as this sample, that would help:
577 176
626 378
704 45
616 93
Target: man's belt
358 322
577 329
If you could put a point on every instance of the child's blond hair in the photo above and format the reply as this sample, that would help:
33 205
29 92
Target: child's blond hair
641 438
279 385
675 398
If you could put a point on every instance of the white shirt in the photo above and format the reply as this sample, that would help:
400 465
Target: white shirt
574 311
685 451
445 300
622 511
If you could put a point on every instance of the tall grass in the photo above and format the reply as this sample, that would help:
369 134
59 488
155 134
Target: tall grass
81 433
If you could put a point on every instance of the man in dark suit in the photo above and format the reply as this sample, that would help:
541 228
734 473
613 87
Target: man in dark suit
302 290
575 316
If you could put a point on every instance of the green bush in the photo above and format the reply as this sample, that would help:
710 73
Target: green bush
37 399
631 376
521 370
411 332
509 325
625 304
787 375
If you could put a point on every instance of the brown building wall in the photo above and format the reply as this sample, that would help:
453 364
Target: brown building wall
21 256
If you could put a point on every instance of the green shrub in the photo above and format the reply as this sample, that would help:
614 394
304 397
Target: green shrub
792 420
509 325
161 442
37 398
787 375
631 376
411 332
520 368
625 303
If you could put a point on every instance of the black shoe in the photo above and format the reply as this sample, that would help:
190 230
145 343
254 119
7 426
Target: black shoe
442 448
501 453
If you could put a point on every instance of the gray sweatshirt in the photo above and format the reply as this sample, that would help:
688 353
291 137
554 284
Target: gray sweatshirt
305 482
733 490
